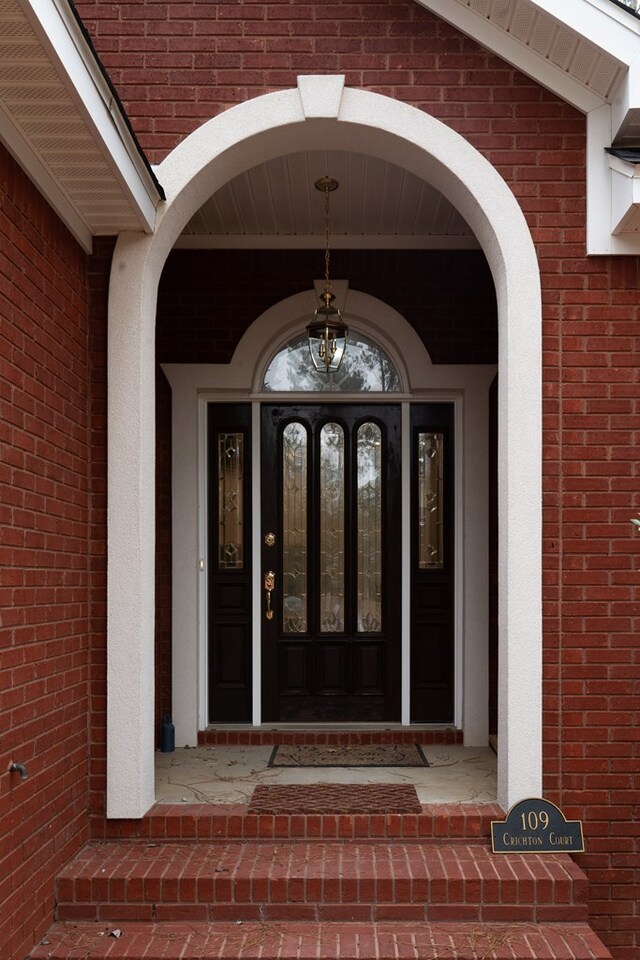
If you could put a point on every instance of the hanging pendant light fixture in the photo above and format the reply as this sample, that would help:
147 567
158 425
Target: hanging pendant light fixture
327 331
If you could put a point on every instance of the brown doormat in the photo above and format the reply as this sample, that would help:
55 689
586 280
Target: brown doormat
335 798
348 755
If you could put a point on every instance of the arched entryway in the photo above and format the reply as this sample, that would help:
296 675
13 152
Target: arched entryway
258 130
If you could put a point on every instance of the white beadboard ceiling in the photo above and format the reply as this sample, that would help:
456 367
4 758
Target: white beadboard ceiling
376 204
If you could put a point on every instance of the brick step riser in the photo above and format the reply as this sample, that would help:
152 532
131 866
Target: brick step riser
274 738
322 912
444 823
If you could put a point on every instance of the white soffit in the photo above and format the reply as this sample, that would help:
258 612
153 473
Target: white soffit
377 204
579 49
587 52
60 120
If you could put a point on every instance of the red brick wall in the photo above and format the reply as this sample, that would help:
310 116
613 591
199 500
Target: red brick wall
44 515
205 303
178 64
591 572
99 265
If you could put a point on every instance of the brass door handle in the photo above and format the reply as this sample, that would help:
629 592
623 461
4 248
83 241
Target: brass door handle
269 586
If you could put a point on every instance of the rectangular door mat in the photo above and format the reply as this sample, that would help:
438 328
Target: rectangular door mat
335 798
348 755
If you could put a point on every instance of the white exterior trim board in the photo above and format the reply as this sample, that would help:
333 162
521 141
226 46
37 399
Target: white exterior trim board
625 196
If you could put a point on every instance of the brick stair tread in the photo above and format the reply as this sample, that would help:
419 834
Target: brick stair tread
320 860
318 882
321 941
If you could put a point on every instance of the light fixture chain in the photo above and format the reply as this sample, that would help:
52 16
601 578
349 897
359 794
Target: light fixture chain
327 331
327 283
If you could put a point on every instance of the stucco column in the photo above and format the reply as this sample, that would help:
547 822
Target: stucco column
131 534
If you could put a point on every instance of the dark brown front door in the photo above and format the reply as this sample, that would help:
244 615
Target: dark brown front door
331 562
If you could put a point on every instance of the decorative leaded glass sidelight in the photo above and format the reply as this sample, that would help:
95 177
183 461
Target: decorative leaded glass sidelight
230 501
294 528
369 527
332 513
430 501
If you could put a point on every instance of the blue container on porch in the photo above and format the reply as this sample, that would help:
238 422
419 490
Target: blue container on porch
167 735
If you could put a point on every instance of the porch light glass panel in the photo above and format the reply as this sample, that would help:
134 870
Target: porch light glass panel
230 500
294 528
430 501
369 527
332 528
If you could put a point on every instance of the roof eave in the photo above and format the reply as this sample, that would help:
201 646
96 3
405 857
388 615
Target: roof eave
132 192
609 94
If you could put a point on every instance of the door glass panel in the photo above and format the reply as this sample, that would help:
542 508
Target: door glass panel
332 528
230 500
430 501
294 528
369 527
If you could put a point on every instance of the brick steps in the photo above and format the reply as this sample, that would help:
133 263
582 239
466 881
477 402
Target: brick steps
318 881
196 882
194 821
325 941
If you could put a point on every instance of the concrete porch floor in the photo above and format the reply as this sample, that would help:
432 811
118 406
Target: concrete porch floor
228 774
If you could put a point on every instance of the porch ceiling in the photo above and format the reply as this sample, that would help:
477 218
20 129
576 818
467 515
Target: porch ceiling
377 204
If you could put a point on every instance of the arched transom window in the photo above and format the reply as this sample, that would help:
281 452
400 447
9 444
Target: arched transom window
366 368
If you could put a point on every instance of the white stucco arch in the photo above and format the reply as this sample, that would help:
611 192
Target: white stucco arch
269 126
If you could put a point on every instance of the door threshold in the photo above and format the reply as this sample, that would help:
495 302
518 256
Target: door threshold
382 725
